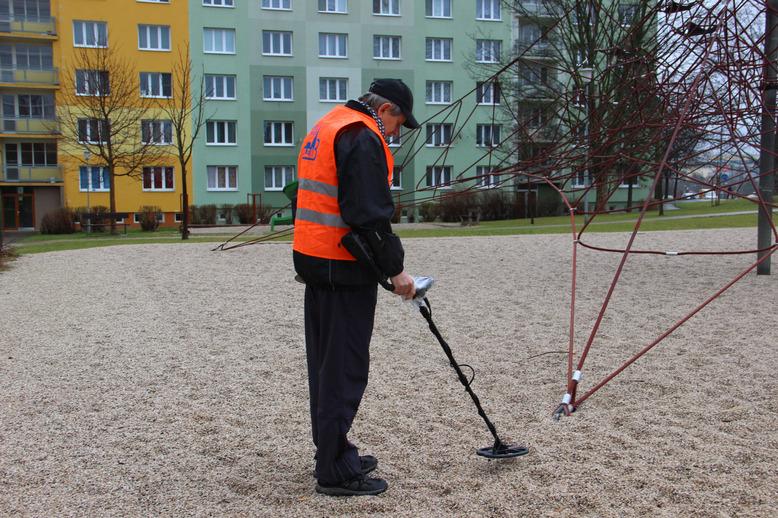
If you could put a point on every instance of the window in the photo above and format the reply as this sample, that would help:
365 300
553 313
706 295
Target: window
93 178
277 4
31 154
487 10
439 176
332 45
485 177
438 49
277 88
92 130
158 178
27 56
397 179
30 10
438 9
488 51
222 178
156 132
488 92
219 41
386 7
219 87
28 106
277 43
279 133
92 82
538 117
333 6
439 92
393 140
221 133
386 47
439 134
627 14
579 180
90 34
154 37
178 217
487 135
278 176
219 3
156 84
333 89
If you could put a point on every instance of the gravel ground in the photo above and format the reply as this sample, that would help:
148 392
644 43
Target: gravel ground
170 380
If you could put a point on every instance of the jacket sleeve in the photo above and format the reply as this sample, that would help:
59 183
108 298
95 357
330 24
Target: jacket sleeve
363 194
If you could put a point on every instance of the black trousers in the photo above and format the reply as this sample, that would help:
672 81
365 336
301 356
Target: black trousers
338 327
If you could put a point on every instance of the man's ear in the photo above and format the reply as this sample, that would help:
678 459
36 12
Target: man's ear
386 106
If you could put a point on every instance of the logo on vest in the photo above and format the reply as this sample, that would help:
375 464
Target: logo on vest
311 147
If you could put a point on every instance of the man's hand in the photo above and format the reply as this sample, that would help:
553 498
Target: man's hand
403 285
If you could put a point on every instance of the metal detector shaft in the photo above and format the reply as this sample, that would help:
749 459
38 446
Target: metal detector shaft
427 314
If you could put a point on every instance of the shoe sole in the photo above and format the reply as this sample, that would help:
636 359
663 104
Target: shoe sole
339 491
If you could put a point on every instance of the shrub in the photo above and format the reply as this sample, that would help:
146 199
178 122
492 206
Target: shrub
99 217
428 211
58 221
456 205
245 213
494 205
226 211
550 206
203 214
147 216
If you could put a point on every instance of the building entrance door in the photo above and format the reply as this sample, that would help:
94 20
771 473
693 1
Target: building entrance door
18 210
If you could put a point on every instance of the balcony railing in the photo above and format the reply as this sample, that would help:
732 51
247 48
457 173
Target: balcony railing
24 173
28 75
26 125
32 25
536 91
531 49
537 9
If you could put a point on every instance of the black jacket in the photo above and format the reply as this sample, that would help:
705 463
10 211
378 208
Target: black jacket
365 205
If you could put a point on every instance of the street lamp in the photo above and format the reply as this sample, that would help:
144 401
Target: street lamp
87 156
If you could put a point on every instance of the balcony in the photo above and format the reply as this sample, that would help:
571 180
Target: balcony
29 25
547 133
536 92
30 76
536 10
26 126
536 50
46 174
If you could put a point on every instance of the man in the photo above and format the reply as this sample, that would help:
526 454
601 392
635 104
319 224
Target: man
345 172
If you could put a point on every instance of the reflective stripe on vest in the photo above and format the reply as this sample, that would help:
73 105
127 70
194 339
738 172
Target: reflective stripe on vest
319 226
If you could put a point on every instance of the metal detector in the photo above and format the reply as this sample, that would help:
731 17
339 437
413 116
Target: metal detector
358 247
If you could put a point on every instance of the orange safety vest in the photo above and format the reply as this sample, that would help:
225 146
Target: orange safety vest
318 226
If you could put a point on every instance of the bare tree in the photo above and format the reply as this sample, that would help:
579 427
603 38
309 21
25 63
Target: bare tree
104 104
186 113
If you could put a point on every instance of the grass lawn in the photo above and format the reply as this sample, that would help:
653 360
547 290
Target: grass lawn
701 214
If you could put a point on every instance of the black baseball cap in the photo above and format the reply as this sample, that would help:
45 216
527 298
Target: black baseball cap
398 92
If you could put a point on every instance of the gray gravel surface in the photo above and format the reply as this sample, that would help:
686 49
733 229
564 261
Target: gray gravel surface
170 380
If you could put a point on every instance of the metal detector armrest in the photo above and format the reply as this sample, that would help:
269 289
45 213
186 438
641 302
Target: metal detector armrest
358 247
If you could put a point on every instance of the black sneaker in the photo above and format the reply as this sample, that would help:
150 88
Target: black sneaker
368 463
359 486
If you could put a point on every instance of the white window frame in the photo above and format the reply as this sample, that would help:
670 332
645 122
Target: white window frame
435 176
430 9
439 134
221 126
152 79
89 79
219 3
436 90
224 79
579 179
397 180
486 178
102 179
268 94
157 127
333 10
100 125
332 39
278 133
386 7
286 176
485 10
86 26
438 49
387 42
273 8
482 87
272 51
333 83
158 170
213 34
226 171
178 217
488 135
148 30
492 56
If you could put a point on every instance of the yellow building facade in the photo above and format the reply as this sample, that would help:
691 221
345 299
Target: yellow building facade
143 40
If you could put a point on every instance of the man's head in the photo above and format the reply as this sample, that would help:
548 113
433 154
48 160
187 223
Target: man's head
393 102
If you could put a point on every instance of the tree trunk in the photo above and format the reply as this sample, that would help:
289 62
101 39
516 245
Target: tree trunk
112 201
